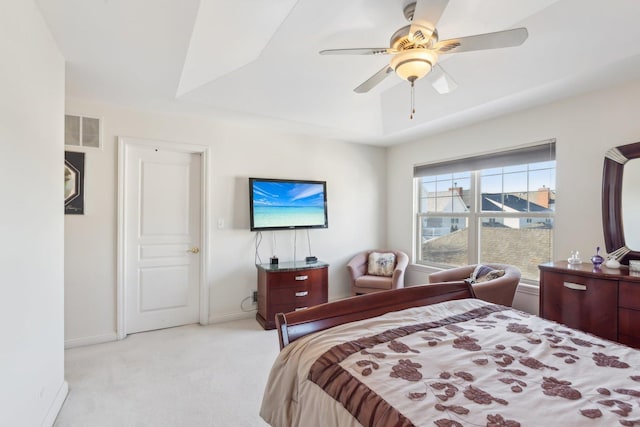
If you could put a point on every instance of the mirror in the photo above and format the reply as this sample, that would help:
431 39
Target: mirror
620 200
631 204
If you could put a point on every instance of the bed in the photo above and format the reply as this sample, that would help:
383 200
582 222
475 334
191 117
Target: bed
438 356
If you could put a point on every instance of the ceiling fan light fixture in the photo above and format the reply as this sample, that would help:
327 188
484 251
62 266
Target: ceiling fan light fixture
413 64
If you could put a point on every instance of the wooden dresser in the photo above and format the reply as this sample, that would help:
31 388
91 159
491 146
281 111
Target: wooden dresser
603 302
289 286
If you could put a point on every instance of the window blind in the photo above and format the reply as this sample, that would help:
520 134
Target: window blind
540 152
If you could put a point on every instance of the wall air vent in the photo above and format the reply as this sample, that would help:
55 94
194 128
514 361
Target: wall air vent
82 131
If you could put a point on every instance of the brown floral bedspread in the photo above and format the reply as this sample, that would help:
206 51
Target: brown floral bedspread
459 363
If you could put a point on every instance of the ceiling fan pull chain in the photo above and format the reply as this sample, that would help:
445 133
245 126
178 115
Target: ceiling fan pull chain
413 102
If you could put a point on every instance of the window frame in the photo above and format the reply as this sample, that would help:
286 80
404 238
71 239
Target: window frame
474 217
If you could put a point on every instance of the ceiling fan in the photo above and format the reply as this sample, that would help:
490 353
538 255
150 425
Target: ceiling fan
415 47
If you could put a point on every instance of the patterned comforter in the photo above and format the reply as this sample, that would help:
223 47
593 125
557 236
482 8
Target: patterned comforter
458 363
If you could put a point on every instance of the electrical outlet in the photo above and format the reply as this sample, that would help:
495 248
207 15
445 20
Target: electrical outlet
254 296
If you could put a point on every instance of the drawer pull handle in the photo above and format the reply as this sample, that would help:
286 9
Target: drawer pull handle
302 277
302 293
300 308
575 286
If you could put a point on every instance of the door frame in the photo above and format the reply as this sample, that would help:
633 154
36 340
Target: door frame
204 152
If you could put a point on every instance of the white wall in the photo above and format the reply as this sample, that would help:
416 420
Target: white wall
32 386
356 188
585 127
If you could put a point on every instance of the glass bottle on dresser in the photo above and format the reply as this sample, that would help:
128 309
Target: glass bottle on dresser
597 259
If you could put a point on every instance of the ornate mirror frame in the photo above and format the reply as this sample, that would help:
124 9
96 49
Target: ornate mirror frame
612 173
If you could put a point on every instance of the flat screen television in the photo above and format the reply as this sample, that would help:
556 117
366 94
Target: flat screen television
282 204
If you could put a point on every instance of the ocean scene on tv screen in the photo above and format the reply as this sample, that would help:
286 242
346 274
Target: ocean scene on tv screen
287 204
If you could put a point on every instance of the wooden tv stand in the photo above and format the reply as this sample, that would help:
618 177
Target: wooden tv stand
289 286
603 302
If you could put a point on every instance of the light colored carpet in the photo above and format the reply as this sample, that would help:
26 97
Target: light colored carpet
186 376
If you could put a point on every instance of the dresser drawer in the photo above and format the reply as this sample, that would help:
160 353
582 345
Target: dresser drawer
629 295
286 308
305 294
294 278
583 303
292 298
629 314
629 322
573 282
629 340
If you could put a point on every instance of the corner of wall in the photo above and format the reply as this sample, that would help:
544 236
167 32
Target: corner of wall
56 404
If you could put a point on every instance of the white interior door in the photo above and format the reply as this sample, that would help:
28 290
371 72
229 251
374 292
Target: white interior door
162 209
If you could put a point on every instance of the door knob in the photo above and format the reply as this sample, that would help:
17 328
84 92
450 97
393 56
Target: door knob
194 250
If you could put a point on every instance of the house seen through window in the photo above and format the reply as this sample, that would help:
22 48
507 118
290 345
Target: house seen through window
496 214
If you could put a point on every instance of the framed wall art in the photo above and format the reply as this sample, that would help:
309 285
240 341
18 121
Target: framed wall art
73 183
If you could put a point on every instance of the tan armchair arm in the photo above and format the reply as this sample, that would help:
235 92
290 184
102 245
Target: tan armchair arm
402 261
358 266
451 275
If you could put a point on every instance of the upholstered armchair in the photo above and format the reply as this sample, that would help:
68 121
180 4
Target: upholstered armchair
500 290
363 283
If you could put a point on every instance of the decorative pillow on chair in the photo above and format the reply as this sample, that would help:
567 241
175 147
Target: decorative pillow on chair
381 264
483 273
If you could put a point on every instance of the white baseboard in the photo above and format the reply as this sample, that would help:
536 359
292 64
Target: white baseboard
526 288
527 298
96 339
232 316
56 405
417 274
251 314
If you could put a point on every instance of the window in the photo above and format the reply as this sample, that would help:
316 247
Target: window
493 208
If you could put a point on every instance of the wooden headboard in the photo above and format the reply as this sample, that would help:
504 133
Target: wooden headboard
297 324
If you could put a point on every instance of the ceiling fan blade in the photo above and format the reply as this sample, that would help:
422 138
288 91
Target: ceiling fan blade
426 15
374 80
358 51
441 80
507 38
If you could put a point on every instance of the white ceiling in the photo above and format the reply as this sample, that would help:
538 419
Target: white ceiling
258 59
